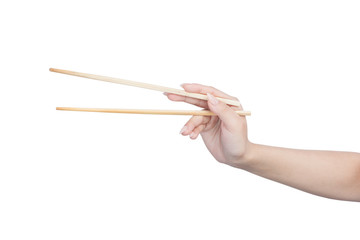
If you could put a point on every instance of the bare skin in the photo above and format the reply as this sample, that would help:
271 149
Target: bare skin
329 174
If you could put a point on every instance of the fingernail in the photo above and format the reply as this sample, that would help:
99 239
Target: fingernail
192 135
212 99
182 85
165 93
183 129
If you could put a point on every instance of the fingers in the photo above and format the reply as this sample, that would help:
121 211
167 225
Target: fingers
227 115
193 101
230 119
198 88
195 133
194 126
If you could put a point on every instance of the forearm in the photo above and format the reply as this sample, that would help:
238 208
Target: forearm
325 173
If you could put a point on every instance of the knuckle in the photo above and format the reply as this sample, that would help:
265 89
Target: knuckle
208 89
212 89
193 122
190 126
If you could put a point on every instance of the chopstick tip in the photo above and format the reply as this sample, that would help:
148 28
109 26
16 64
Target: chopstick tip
55 70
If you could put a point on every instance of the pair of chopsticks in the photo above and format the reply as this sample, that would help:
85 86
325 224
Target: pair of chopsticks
146 86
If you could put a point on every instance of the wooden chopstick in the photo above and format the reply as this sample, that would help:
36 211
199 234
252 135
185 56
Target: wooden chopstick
150 111
143 85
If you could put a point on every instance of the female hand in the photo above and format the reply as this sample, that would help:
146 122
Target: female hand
331 174
225 135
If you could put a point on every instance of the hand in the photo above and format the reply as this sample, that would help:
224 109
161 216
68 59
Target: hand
330 174
225 135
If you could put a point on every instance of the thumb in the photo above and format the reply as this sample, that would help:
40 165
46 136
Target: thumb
224 112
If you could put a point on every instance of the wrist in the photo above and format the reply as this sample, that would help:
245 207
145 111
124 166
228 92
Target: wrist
246 161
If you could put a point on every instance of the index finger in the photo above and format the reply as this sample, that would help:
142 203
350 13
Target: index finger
203 89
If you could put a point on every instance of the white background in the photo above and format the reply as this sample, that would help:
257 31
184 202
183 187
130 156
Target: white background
70 175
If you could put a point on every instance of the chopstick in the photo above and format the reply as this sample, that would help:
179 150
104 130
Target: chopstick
143 85
150 111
